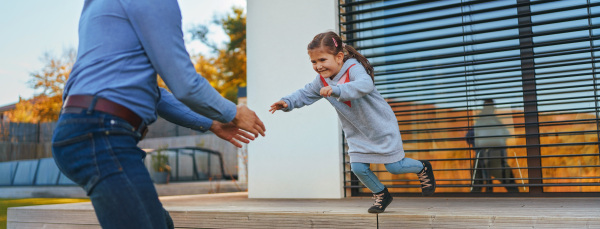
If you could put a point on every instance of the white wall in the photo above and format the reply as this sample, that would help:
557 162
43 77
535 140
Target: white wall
301 155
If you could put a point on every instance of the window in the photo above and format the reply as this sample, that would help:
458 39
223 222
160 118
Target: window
521 74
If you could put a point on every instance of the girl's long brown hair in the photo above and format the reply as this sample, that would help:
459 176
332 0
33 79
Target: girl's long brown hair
333 44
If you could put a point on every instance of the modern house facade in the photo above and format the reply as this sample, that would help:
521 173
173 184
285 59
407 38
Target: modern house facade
501 96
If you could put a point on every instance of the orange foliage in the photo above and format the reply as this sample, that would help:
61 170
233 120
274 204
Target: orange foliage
582 165
45 107
42 108
227 71
420 136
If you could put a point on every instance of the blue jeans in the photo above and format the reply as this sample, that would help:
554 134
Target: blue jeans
368 178
99 152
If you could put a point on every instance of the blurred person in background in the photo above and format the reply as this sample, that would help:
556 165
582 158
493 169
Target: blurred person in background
488 138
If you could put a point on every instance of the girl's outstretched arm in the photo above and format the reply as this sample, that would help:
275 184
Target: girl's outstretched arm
302 97
278 106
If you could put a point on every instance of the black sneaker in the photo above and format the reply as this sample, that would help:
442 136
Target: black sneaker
382 200
427 179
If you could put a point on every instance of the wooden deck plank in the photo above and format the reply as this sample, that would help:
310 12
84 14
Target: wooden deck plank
270 219
494 213
77 213
17 225
235 210
485 222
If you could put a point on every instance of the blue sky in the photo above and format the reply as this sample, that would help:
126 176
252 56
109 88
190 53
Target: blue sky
33 27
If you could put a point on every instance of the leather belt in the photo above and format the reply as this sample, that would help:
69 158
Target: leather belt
103 105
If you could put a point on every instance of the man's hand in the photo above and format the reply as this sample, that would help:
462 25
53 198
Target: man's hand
247 120
231 133
278 106
326 91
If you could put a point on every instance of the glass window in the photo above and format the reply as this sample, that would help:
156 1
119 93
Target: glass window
522 79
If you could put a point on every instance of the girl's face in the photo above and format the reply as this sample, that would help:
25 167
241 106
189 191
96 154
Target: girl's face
324 63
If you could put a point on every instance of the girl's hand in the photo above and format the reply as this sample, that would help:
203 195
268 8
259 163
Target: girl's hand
278 106
326 91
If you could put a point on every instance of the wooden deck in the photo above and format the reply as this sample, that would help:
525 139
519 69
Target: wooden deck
171 189
235 210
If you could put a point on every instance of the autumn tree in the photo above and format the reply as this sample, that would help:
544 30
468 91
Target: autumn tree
226 71
50 81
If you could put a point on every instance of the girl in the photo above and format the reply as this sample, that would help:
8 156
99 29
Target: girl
346 80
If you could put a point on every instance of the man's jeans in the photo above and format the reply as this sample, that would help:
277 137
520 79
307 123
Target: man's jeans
99 152
368 178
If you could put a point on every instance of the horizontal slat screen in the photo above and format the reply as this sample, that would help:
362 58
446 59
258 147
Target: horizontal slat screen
531 62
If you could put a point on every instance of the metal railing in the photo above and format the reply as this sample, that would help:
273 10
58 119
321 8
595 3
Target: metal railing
193 164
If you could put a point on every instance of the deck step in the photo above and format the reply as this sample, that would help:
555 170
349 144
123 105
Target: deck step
235 210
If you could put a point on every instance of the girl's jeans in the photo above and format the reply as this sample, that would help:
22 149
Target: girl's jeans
99 152
368 178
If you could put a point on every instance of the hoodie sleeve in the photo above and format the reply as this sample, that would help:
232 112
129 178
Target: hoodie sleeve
305 96
360 85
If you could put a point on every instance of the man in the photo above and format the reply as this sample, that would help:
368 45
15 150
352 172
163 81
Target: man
112 95
489 137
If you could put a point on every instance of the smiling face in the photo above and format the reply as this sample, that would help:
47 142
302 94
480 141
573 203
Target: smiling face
325 63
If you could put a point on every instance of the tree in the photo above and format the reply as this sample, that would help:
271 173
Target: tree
45 106
227 71
53 76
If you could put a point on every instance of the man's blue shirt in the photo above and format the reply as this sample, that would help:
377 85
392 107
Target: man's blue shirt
174 111
124 44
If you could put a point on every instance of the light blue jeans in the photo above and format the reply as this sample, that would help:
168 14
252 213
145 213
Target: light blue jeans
368 178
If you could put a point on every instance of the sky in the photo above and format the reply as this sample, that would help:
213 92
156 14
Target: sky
32 28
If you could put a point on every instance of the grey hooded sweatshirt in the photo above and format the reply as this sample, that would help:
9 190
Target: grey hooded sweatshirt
369 125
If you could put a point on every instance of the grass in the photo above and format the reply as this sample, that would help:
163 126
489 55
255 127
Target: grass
8 203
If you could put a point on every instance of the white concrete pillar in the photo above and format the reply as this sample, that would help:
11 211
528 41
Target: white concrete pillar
301 155
242 153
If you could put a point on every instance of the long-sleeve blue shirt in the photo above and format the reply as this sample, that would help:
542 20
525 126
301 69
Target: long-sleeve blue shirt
174 111
124 44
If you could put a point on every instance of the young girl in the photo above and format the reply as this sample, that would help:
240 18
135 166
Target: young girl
346 80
